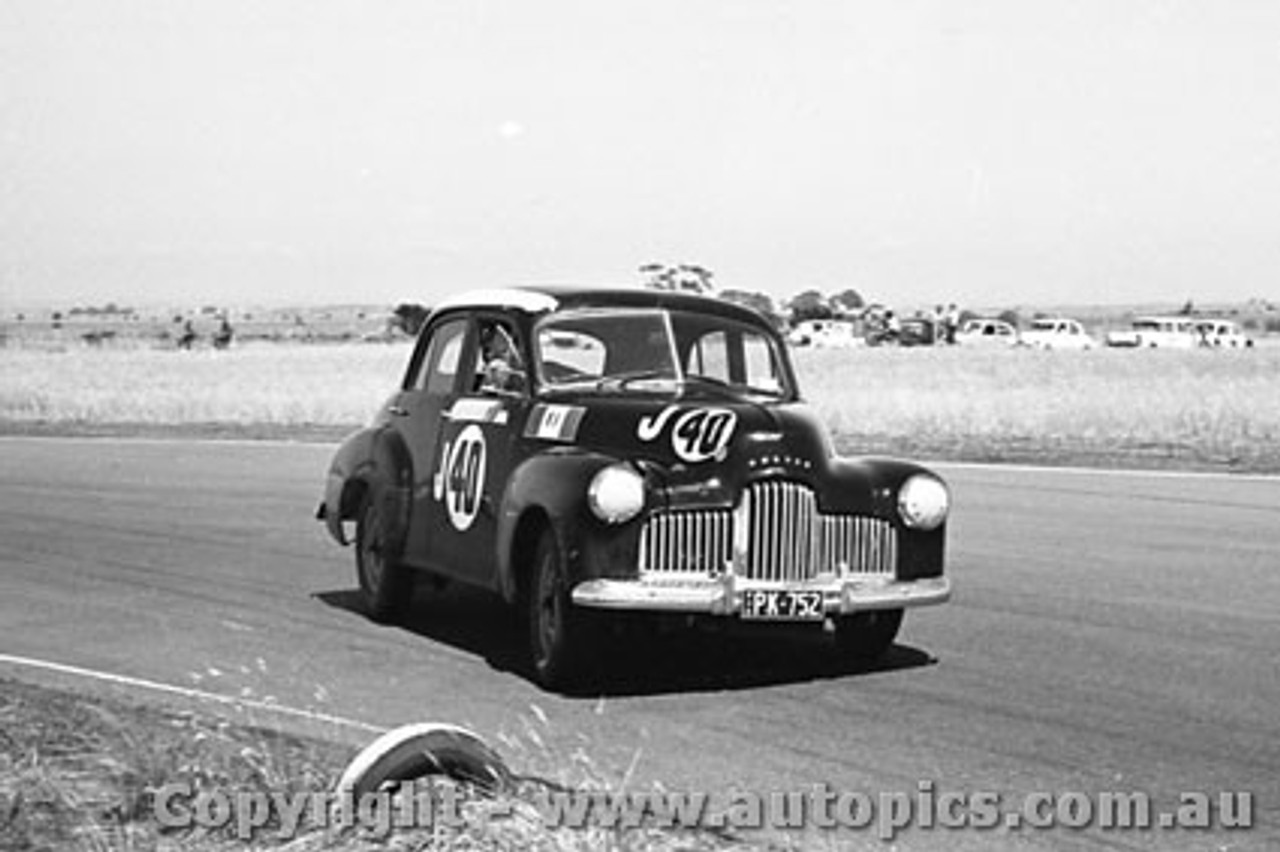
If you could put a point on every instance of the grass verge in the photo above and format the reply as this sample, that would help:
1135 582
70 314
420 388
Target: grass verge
1199 409
81 772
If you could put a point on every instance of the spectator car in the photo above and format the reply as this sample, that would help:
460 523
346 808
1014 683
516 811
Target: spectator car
1156 332
1220 333
987 332
830 333
1057 333
606 455
919 331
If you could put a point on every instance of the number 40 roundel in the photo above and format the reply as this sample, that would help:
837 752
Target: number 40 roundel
463 474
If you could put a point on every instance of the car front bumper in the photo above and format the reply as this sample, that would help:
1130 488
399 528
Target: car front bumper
724 596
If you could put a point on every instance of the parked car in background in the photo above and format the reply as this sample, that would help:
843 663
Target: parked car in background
598 457
918 331
1057 333
1157 332
1220 333
833 333
987 332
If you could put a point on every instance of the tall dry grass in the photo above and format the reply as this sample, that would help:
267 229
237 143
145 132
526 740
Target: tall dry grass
257 383
1198 404
1216 407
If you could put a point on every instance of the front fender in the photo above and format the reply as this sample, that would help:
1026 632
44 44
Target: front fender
374 459
870 486
548 488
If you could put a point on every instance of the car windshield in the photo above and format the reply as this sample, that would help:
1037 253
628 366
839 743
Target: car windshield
1044 325
612 350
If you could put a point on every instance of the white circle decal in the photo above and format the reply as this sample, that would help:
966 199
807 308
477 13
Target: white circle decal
464 477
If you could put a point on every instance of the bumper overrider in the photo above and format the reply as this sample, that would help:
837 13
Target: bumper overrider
724 595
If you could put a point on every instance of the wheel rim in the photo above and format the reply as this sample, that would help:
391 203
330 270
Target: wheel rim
371 562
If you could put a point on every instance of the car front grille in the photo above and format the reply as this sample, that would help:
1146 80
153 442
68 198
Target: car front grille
777 531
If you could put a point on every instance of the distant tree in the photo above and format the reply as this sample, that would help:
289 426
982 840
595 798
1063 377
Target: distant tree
848 301
1010 316
756 301
687 277
1188 309
810 305
408 317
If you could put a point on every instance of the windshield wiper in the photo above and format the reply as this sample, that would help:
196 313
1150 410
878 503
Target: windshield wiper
621 380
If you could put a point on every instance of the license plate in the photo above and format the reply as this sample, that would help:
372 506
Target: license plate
781 605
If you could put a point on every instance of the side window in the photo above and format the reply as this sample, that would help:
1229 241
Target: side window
709 356
762 370
439 372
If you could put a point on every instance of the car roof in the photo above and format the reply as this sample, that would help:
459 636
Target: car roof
543 299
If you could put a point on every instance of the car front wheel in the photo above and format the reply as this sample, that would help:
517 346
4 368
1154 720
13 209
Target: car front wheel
867 635
558 638
385 583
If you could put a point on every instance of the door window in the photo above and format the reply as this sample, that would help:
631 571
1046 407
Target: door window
439 373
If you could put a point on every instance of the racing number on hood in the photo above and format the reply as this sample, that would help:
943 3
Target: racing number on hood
698 435
464 463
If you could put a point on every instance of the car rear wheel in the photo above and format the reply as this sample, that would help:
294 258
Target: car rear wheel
558 639
385 583
867 635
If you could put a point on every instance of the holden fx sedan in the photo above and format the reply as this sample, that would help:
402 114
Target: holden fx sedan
609 454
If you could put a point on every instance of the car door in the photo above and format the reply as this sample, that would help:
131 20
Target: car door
429 388
474 452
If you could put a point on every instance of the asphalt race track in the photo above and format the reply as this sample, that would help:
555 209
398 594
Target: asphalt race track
1110 632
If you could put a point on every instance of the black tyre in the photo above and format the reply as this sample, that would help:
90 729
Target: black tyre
559 639
386 584
867 635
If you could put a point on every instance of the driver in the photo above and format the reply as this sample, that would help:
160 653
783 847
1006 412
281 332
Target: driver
500 365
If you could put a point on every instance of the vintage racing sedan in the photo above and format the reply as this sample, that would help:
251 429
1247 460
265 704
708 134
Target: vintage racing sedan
588 452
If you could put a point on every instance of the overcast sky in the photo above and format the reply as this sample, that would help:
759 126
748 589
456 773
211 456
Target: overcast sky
995 152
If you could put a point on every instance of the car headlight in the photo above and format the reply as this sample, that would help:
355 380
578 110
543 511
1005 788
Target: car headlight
616 493
923 502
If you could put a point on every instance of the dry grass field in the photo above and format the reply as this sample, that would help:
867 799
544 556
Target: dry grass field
1199 408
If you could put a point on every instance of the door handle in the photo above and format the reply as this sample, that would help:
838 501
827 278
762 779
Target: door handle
397 410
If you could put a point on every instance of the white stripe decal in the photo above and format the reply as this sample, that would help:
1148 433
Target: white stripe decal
186 692
475 410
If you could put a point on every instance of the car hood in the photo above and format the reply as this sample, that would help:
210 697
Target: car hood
695 434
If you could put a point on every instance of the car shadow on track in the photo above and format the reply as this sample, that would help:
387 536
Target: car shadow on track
641 661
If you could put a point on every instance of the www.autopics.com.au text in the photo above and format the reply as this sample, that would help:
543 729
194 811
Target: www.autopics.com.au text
249 813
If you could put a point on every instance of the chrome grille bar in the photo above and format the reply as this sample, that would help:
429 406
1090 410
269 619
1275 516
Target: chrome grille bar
780 534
